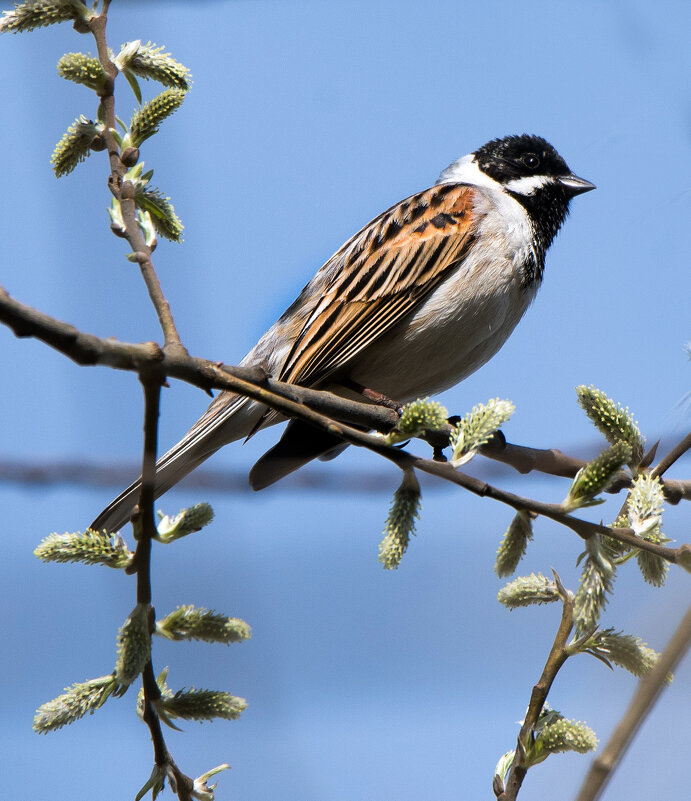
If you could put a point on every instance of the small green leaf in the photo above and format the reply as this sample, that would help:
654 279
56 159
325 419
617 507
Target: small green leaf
504 765
147 228
134 85
201 790
117 221
156 783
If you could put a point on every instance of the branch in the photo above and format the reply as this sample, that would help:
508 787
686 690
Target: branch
583 528
291 401
557 656
151 377
145 529
86 349
642 702
124 191
676 453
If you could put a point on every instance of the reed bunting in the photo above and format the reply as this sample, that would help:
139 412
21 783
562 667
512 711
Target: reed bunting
413 303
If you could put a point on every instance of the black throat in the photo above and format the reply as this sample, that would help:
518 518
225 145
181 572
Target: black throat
547 209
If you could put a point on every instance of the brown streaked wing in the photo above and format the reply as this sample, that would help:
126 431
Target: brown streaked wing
386 270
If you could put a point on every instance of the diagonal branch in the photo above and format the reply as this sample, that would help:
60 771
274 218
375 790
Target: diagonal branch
555 661
676 453
87 349
292 401
649 688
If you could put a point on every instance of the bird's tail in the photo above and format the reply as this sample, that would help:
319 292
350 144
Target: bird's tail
229 418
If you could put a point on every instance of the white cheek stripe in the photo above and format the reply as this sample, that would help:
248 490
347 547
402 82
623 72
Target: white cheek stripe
466 171
528 185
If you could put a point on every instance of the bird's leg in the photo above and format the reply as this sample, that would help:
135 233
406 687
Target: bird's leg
373 395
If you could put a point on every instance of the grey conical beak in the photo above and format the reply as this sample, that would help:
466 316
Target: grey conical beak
574 185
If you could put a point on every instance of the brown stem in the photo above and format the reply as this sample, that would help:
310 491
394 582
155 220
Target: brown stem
557 656
647 692
583 528
142 254
143 514
141 563
150 717
676 453
124 191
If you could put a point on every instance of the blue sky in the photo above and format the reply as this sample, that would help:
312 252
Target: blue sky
306 119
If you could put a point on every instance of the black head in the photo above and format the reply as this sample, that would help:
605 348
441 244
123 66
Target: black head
514 157
532 172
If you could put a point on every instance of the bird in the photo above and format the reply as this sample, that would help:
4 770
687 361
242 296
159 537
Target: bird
413 303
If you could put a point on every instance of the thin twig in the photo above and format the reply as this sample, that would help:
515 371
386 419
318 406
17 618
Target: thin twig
152 379
676 453
143 515
583 528
557 656
647 692
149 715
124 191
146 528
659 470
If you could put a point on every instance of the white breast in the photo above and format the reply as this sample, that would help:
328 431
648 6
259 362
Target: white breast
467 318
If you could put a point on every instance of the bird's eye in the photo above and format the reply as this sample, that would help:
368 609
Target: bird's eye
531 161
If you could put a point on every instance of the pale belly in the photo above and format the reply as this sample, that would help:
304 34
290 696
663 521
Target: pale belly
458 328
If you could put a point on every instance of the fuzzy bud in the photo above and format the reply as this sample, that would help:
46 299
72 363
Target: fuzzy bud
400 524
614 421
529 590
32 14
77 700
196 623
145 122
596 476
134 647
477 428
513 545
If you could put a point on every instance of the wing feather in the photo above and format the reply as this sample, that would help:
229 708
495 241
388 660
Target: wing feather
379 276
